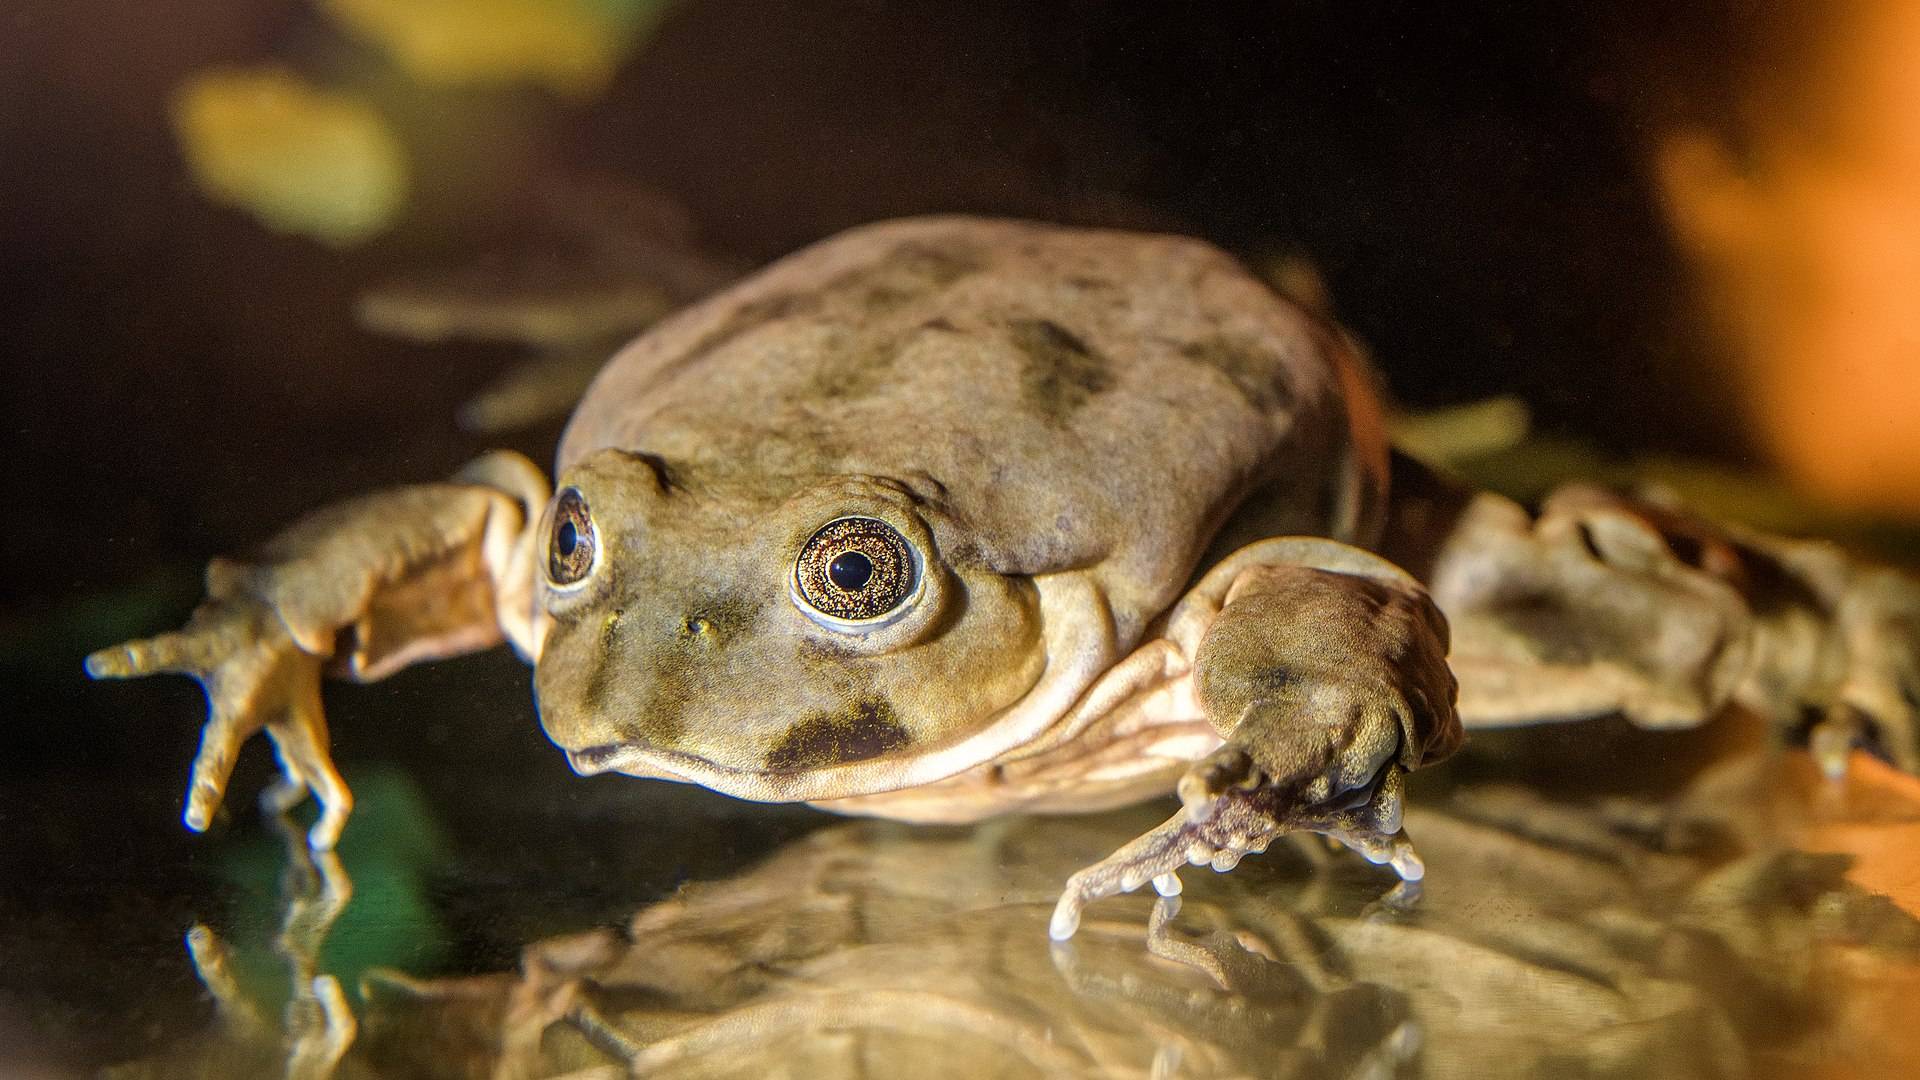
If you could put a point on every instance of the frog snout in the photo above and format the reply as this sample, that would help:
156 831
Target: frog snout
622 676
690 677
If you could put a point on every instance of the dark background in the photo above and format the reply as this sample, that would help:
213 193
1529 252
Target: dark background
178 378
178 381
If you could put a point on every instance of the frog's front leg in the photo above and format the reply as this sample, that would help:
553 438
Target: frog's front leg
362 588
1324 670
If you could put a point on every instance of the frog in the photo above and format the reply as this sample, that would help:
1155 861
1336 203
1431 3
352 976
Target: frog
945 518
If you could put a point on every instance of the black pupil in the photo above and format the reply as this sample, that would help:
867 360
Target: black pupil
567 539
850 570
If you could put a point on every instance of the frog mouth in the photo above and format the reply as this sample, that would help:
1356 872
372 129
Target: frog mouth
759 785
594 760
650 762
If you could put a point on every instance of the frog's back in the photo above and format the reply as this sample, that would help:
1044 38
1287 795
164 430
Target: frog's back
1077 397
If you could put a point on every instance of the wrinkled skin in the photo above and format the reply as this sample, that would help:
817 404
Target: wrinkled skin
1135 506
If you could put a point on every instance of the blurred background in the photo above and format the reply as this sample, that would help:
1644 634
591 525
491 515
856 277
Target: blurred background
1666 227
259 254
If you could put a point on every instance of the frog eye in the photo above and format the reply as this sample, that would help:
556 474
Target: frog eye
570 549
855 572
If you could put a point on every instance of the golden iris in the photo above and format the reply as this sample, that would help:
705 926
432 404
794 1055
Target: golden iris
856 569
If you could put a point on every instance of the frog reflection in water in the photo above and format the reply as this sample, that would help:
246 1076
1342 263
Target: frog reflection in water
946 518
1633 939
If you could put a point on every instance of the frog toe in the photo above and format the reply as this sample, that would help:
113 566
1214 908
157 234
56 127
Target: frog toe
1238 821
1152 858
1877 706
1371 828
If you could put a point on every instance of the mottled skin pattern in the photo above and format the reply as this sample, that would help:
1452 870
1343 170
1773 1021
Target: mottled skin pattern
1148 502
954 378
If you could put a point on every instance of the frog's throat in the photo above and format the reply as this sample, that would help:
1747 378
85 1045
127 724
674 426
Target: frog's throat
1078 631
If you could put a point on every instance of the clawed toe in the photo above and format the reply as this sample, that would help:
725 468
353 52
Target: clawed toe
1892 733
1227 769
1832 741
1231 825
1393 850
1152 857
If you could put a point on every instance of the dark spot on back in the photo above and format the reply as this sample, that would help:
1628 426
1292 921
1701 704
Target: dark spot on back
748 316
855 370
1258 372
865 729
1268 682
1061 372
1550 636
903 275
1771 587
939 265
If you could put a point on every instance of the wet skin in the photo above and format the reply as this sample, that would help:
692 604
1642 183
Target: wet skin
951 517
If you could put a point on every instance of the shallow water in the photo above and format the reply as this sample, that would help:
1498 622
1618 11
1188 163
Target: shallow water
184 378
1690 916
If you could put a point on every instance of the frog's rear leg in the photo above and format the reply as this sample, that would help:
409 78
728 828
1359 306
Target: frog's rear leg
1603 604
1322 667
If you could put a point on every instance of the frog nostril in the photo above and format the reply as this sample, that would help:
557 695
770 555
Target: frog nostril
710 621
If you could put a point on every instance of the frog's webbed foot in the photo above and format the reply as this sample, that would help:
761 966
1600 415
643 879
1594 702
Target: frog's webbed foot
1153 857
1232 810
256 677
1325 670
1228 784
360 589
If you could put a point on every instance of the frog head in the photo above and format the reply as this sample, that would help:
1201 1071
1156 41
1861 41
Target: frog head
774 639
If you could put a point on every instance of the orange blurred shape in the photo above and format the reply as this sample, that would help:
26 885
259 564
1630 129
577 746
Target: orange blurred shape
1874 996
1807 249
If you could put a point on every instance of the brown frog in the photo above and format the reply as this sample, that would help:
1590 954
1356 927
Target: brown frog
949 517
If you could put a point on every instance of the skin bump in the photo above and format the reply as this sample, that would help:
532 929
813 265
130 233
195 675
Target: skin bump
718 619
865 729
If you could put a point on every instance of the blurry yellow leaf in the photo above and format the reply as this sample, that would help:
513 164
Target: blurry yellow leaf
1447 435
571 46
300 159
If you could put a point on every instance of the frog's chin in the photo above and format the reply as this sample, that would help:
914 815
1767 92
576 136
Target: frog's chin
798 785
